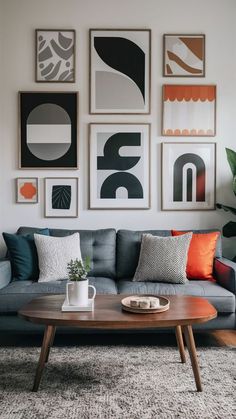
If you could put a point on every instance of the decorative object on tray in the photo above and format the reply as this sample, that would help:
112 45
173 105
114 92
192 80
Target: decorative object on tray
78 287
145 303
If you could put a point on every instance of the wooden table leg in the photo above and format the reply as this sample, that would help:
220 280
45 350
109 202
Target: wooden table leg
49 330
51 342
188 333
180 342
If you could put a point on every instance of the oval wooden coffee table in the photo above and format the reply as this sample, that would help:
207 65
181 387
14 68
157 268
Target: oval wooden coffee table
108 314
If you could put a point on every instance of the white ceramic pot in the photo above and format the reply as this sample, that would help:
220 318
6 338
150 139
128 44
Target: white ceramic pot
77 293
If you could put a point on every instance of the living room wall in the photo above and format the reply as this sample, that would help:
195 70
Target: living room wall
19 19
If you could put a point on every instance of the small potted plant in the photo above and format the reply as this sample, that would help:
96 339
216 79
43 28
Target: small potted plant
77 286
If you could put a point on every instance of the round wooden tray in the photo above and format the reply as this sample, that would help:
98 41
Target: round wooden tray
164 302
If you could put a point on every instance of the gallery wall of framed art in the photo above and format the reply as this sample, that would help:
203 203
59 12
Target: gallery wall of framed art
185 55
119 153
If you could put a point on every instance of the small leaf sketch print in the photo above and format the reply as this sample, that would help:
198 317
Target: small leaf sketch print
61 197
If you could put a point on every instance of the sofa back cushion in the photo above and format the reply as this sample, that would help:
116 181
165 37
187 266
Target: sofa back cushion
128 249
99 245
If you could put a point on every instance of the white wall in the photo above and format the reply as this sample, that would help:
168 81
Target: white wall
214 18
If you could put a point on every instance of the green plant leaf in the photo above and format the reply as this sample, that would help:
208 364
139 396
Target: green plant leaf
226 208
231 157
234 185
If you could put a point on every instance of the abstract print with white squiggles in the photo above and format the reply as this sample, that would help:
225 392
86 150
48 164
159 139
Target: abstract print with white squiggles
55 56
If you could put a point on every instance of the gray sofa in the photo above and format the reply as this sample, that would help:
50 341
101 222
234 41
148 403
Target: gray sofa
114 257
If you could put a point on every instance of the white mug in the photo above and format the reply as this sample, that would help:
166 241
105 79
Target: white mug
77 293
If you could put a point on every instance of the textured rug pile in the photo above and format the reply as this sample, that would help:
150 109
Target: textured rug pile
117 382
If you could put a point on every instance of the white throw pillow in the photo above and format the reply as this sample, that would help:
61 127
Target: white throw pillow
54 253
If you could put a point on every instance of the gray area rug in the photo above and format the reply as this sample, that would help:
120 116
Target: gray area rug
117 382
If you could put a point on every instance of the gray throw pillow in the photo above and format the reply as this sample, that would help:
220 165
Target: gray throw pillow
163 259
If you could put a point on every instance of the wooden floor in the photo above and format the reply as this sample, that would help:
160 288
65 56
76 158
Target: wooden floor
225 337
220 338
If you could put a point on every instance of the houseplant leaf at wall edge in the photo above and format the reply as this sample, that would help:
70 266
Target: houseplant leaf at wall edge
229 229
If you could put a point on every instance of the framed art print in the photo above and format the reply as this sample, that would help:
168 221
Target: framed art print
55 55
183 55
48 130
119 166
26 190
189 110
61 197
188 176
120 71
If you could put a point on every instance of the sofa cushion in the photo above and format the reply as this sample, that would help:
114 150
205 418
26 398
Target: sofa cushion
54 254
200 255
163 259
99 245
128 248
23 255
5 273
18 293
222 299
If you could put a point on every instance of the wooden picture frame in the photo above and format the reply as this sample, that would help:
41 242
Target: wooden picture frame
127 53
48 131
188 110
188 176
119 181
61 197
184 55
27 190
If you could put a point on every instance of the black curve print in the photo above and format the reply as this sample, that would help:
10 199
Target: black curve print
200 178
123 55
121 179
61 197
111 160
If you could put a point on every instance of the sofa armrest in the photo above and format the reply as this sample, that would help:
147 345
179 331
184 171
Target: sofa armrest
5 273
225 273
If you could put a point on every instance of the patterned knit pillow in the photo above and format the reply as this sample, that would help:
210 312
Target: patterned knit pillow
163 259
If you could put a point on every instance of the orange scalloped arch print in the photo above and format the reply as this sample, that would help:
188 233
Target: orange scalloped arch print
189 92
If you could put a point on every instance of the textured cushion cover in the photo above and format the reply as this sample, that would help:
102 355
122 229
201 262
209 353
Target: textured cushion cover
18 293
54 253
23 255
163 259
128 248
5 273
99 245
200 255
222 299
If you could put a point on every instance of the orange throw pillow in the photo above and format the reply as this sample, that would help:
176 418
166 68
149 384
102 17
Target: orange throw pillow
200 255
